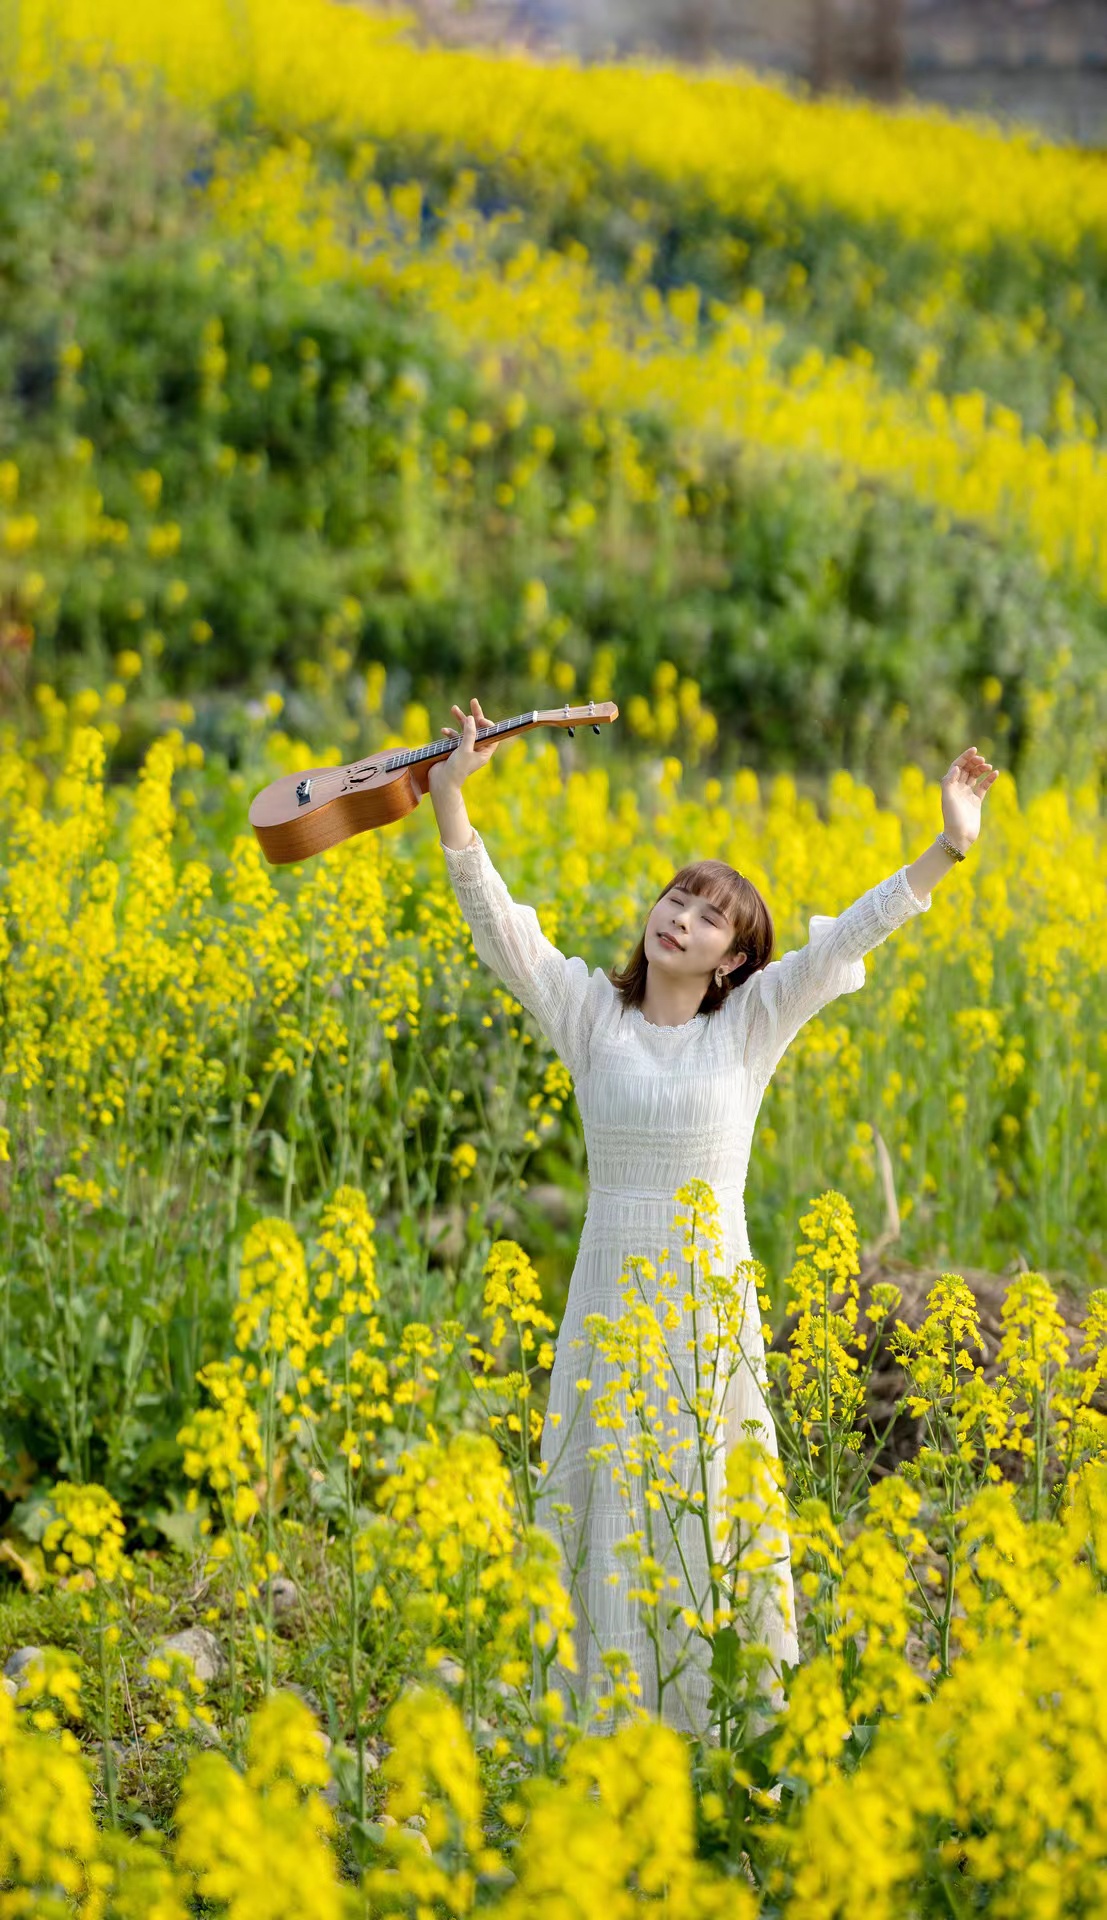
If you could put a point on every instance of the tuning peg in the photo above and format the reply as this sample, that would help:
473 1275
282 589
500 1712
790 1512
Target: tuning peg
571 731
595 729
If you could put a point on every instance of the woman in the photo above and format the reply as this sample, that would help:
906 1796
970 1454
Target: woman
670 1061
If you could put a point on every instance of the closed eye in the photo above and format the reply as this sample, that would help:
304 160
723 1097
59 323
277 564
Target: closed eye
717 921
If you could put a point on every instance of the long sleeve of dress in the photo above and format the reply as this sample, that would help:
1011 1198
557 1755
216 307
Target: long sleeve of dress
508 938
790 990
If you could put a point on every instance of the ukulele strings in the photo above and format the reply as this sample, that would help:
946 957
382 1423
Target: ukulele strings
410 755
358 769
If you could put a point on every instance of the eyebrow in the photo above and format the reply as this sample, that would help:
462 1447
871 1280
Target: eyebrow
709 904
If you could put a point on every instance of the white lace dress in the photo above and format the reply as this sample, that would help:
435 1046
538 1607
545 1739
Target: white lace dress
660 1106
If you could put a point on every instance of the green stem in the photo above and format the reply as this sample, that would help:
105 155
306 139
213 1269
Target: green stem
107 1757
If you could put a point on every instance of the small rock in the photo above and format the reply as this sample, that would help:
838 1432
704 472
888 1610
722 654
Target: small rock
16 1664
283 1595
197 1645
449 1670
9 1686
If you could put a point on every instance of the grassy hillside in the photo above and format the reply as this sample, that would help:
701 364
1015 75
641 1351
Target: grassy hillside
284 359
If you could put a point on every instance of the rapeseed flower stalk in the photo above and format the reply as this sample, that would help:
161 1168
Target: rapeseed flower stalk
48 1837
223 1443
431 1770
819 1383
87 1531
811 1731
274 1315
179 1691
816 1546
226 1445
964 1421
872 1601
713 1523
52 1676
1084 1514
992 1777
142 1883
616 1832
452 1565
1034 1350
258 1841
1014 1566
344 1400
86 1538
751 1547
536 1596
512 1293
272 1312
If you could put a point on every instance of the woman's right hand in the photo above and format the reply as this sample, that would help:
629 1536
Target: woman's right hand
467 757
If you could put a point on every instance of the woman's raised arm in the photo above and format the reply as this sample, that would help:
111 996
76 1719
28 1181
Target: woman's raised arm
789 991
774 1004
506 934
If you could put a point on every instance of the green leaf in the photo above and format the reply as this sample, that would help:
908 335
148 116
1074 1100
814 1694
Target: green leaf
181 1528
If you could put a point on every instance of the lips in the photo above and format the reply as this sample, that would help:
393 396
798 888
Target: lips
667 938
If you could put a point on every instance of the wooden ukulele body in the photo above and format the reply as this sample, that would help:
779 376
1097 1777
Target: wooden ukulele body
379 796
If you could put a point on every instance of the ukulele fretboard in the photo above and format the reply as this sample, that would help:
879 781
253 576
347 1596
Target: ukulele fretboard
412 754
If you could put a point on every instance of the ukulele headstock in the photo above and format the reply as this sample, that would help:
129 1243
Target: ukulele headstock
573 717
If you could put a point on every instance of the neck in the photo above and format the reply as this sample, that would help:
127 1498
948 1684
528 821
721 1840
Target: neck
667 1003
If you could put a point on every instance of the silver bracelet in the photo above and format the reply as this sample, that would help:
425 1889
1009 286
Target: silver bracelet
953 852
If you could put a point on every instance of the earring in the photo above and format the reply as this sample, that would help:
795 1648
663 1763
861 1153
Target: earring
718 976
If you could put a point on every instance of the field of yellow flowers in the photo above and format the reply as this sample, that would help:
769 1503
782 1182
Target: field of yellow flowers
270 1373
340 373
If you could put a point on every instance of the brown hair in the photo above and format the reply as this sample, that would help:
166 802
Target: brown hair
744 908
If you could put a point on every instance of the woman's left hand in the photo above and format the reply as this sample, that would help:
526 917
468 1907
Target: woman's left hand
963 791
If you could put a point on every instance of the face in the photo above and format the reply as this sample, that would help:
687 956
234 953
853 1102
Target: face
700 934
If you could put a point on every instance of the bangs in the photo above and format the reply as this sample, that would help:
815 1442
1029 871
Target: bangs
713 881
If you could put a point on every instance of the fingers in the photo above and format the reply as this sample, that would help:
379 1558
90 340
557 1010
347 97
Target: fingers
971 770
477 720
971 766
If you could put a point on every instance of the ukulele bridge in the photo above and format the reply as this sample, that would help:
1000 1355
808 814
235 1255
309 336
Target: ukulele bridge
303 791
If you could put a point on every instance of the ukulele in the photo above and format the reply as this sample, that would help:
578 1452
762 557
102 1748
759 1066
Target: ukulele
302 813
